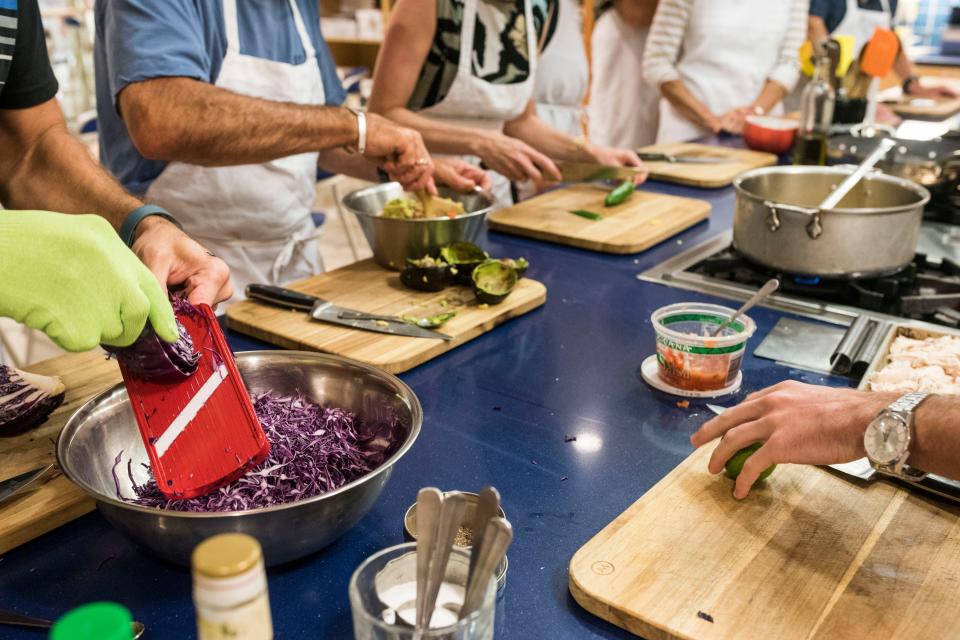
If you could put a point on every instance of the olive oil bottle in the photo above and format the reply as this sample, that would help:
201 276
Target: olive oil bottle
816 116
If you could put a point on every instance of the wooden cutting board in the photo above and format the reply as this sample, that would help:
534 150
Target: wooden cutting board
705 175
53 500
364 286
919 109
639 223
810 555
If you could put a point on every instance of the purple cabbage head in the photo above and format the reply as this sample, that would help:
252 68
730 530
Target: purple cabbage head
26 399
150 358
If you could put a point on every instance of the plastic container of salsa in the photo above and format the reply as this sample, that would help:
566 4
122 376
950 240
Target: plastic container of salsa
690 357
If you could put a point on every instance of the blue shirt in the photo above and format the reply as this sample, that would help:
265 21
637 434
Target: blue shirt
138 40
834 11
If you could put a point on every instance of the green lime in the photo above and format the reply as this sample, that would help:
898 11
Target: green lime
735 464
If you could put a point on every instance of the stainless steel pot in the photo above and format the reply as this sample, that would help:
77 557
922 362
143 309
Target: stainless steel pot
777 222
393 240
105 426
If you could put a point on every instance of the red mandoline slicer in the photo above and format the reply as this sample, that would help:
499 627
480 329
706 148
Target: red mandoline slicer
200 433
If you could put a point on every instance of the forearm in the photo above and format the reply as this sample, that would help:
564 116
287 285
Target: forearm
936 444
902 66
349 164
49 169
677 93
439 136
770 96
185 120
538 134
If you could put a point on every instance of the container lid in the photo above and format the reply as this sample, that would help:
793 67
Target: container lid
226 554
100 620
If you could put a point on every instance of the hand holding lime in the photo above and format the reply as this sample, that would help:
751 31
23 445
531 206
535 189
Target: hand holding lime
735 464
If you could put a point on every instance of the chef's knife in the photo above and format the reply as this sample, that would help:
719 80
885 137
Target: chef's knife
647 156
594 172
863 470
328 312
13 486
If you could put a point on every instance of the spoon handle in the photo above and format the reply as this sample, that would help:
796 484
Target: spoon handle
854 178
769 287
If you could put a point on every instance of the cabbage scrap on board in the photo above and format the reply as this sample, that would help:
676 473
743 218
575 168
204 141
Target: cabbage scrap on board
26 399
313 450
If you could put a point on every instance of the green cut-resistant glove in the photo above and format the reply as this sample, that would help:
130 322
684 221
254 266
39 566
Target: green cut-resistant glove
72 277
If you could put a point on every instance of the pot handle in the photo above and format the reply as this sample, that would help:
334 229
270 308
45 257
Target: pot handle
814 227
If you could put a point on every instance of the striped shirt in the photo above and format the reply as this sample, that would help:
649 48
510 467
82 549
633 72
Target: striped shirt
665 43
8 37
26 78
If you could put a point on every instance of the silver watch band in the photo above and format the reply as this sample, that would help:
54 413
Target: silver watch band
908 402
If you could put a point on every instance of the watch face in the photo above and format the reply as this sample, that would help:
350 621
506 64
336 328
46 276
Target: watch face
886 438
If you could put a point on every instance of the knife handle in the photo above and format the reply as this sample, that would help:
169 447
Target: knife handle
281 297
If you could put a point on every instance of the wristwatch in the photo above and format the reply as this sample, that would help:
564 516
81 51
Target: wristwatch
887 438
909 82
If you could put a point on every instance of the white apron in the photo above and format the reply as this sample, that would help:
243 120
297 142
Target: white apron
716 65
563 73
255 217
861 23
623 108
474 102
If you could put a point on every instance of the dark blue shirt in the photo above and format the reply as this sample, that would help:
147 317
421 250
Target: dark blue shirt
142 39
833 11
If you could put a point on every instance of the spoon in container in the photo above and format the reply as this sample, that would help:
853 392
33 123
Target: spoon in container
497 536
18 620
451 514
771 285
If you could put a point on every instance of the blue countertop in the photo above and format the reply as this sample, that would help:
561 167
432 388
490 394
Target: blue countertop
497 411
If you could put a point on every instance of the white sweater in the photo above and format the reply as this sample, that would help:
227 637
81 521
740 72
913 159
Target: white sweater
665 42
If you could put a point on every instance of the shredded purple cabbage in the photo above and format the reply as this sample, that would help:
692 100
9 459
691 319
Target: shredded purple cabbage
313 450
150 358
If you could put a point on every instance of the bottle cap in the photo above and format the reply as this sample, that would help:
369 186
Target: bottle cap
226 554
100 620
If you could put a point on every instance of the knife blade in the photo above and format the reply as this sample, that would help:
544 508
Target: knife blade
863 470
648 156
12 486
595 172
324 311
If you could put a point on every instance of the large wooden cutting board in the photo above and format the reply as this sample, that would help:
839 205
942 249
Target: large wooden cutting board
705 175
810 555
364 286
639 223
53 500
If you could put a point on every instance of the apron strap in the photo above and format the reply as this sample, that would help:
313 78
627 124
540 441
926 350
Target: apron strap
231 25
305 40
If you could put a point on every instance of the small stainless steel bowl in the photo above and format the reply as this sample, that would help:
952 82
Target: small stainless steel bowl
393 240
105 426
410 529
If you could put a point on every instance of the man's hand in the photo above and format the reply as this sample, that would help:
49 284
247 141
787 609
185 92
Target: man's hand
72 277
176 259
516 160
460 174
797 423
401 152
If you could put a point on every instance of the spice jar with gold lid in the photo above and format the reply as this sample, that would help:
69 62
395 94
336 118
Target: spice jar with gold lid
230 589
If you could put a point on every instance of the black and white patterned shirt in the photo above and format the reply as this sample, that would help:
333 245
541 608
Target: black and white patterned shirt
26 78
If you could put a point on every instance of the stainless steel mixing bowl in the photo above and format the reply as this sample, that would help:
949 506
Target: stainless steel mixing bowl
394 240
105 426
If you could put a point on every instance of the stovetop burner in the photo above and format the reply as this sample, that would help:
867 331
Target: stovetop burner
923 290
943 208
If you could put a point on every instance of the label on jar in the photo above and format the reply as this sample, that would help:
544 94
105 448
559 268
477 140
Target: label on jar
248 621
